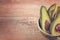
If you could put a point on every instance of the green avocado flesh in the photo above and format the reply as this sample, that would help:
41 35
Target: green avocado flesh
55 26
44 19
52 11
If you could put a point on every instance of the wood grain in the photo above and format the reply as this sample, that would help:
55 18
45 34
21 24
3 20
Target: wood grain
18 19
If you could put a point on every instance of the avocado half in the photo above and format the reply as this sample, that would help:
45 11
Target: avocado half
52 11
55 26
44 19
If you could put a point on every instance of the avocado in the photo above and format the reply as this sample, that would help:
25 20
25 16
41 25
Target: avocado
52 11
39 21
58 10
55 26
44 19
58 38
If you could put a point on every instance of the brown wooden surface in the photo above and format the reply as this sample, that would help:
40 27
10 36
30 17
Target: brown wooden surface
18 19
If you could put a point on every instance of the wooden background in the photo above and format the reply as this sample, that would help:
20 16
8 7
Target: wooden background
19 19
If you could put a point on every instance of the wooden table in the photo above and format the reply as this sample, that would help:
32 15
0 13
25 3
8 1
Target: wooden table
19 20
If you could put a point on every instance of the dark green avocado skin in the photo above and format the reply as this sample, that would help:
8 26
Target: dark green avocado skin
39 23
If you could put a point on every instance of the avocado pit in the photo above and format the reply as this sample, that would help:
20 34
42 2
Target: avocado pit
57 28
47 25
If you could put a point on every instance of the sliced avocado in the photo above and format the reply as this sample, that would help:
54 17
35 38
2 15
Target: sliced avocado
58 38
55 26
58 10
52 11
44 19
